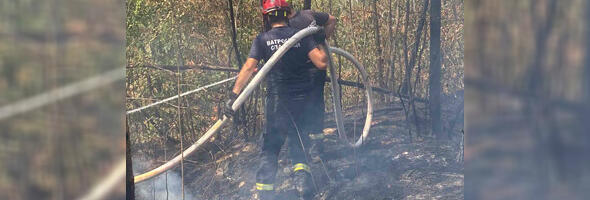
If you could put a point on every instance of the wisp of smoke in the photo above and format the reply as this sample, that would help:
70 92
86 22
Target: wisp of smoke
164 186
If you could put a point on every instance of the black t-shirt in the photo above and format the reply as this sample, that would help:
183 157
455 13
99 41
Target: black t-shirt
291 73
303 18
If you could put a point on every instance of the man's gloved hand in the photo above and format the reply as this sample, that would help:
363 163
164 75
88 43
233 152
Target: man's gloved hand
227 111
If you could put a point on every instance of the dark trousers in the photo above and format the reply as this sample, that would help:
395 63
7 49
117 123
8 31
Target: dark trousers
315 106
284 122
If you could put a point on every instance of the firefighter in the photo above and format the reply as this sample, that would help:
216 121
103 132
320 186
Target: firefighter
288 86
315 107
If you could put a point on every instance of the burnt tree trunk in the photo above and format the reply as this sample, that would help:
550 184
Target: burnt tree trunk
378 41
306 4
405 44
234 36
547 143
435 69
391 75
412 60
129 185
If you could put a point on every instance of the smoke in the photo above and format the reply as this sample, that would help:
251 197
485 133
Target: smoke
164 186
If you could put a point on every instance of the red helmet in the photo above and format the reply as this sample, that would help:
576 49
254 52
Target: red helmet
274 5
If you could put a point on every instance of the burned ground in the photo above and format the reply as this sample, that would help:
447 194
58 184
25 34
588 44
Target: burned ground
389 166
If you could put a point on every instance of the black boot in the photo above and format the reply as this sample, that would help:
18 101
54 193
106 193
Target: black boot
303 184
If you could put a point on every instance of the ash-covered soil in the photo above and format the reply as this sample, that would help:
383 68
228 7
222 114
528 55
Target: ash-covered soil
388 166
